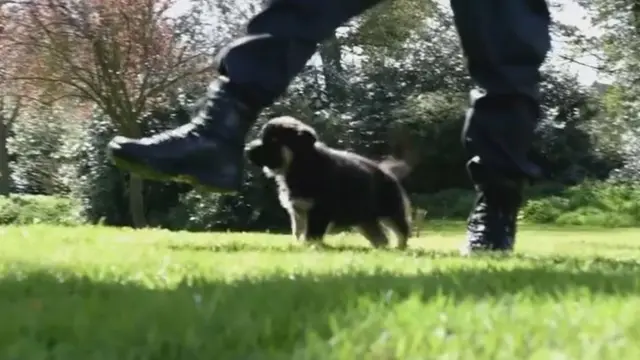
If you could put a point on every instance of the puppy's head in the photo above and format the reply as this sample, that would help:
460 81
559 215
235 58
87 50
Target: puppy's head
280 140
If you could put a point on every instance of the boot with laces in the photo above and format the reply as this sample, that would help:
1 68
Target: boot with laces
206 153
492 223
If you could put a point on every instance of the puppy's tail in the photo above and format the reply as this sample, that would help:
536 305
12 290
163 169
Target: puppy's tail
404 158
398 168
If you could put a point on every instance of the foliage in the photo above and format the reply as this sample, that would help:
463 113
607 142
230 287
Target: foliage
566 138
126 57
594 204
618 47
12 94
44 149
254 208
630 171
434 121
598 204
122 56
39 209
387 25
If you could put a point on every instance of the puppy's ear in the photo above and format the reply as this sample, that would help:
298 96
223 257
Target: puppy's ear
252 145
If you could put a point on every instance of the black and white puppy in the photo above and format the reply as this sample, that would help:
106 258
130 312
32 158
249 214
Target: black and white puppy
320 186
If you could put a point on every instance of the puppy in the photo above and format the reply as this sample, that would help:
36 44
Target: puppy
320 186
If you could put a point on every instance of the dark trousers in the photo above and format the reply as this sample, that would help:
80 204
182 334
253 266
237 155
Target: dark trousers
505 42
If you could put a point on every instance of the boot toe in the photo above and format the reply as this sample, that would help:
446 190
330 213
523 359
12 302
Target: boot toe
121 147
120 141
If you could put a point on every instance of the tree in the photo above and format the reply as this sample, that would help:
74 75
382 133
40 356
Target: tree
11 100
618 43
124 56
43 148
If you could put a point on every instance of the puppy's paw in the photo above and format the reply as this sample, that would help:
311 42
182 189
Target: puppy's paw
317 245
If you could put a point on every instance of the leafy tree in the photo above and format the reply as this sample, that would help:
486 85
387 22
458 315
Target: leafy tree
124 56
43 148
617 45
11 97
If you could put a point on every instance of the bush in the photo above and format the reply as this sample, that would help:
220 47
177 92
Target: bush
455 204
39 209
591 203
254 208
544 211
43 148
451 204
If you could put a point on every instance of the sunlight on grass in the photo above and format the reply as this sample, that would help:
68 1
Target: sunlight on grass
97 293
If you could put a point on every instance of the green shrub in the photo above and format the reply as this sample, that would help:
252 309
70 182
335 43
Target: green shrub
590 203
591 216
254 208
43 148
39 209
544 211
451 204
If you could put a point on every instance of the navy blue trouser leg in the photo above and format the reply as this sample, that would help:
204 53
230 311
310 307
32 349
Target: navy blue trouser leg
279 42
505 43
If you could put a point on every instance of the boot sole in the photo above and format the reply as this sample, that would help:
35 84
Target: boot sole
148 172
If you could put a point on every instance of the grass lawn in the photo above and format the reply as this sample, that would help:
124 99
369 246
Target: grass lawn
93 293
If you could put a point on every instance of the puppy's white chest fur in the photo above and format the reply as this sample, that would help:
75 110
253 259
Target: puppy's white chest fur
284 194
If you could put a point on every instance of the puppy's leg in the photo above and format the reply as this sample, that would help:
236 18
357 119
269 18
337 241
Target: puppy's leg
398 214
294 225
317 224
299 214
374 233
401 228
299 224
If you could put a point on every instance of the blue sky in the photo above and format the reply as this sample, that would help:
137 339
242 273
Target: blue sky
569 13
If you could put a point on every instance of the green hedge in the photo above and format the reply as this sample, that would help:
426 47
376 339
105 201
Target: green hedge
39 209
591 204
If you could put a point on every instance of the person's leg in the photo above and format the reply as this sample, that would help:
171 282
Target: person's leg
255 70
505 42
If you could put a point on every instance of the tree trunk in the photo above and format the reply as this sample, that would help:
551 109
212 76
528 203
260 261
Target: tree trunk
5 177
136 202
635 12
132 129
331 54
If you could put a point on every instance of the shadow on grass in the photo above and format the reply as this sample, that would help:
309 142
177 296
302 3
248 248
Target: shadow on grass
299 248
55 312
235 247
247 247
603 246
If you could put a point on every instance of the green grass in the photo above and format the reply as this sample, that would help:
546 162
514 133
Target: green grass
92 293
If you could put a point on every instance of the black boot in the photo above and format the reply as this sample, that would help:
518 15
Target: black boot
206 153
492 224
